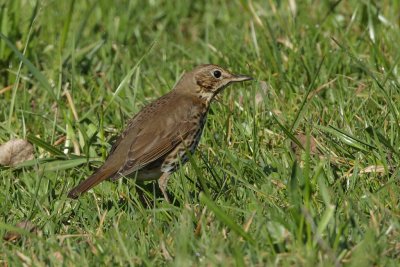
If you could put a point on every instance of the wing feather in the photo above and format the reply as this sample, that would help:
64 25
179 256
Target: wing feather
157 149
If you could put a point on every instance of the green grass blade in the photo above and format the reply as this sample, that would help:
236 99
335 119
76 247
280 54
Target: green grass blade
287 132
58 165
127 77
389 101
224 218
347 138
305 98
35 72
375 132
325 219
46 146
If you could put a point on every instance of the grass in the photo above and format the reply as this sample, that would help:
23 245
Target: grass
299 167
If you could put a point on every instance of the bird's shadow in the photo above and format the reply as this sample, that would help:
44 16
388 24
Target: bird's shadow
146 194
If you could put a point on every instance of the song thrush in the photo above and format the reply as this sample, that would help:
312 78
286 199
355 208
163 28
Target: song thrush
156 141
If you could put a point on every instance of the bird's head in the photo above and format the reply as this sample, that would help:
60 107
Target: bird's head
208 80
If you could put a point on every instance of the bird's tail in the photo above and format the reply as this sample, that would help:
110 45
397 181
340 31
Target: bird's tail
93 180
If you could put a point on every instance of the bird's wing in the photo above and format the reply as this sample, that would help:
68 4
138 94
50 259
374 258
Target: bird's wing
150 146
139 121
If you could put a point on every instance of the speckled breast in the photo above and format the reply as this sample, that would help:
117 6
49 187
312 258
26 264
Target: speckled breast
179 155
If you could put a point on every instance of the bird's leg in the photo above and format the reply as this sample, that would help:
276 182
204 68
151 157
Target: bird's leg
162 183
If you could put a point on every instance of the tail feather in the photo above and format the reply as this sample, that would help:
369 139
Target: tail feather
93 180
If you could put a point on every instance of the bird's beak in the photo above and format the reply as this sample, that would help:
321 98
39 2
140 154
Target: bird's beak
240 78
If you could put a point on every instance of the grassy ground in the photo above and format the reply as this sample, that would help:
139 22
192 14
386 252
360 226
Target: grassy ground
327 79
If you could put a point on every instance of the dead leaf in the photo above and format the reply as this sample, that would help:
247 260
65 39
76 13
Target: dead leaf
303 141
13 236
15 151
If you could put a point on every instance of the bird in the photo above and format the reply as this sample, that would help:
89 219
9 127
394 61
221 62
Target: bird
160 137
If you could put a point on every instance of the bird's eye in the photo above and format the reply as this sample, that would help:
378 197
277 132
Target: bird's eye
217 74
